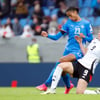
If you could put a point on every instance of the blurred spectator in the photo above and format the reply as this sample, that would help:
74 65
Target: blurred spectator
36 21
96 6
9 23
5 9
45 23
53 22
21 10
38 12
53 25
62 9
33 52
6 31
52 31
30 5
17 28
38 30
27 32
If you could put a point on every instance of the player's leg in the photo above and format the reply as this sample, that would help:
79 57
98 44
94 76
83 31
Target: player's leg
84 76
73 56
66 78
65 67
97 91
81 86
92 91
49 80
43 87
69 86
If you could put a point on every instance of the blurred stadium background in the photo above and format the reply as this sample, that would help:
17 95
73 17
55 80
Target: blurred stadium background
37 15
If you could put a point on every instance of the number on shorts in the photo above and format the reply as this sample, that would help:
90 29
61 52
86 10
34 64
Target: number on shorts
85 73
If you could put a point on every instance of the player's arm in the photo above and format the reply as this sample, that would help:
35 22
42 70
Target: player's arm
56 37
53 37
62 32
79 40
89 31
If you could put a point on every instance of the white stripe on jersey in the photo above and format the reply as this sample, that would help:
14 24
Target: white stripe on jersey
93 54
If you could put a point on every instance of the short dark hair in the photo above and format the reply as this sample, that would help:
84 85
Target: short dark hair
73 9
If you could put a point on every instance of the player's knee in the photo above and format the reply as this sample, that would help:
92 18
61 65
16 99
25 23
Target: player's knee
60 65
63 66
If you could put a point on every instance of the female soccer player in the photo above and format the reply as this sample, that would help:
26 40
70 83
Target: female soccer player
83 69
75 25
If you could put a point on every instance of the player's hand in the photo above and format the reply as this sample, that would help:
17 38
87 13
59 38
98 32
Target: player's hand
62 59
44 34
82 35
78 39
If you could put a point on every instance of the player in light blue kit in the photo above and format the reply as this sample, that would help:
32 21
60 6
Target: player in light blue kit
74 26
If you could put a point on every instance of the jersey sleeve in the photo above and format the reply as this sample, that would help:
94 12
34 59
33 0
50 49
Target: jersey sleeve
89 32
55 37
64 29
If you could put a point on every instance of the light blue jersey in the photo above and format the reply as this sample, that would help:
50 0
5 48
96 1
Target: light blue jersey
71 29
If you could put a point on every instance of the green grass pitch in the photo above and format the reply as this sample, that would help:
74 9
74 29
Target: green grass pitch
30 93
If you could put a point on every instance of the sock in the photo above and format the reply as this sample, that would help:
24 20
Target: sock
66 79
49 80
89 92
56 77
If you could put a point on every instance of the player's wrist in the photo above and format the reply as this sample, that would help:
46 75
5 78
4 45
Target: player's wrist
48 35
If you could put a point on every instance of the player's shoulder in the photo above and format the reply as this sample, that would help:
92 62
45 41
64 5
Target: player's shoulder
85 21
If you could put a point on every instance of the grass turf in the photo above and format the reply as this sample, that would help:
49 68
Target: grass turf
30 93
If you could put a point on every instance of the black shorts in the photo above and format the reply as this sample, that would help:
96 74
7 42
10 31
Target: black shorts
81 72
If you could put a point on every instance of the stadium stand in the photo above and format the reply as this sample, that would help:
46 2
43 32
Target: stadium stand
86 11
